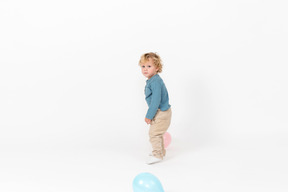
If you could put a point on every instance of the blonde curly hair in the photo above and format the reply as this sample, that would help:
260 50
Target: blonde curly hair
156 60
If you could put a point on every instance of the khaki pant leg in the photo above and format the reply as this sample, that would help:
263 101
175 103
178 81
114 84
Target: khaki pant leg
159 126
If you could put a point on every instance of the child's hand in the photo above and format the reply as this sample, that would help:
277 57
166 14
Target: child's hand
148 121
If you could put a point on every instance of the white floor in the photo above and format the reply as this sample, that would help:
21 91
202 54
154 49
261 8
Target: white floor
251 163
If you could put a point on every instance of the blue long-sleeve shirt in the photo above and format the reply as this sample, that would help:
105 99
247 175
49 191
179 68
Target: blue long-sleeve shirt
156 96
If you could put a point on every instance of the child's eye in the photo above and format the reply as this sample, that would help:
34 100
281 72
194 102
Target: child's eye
149 66
143 66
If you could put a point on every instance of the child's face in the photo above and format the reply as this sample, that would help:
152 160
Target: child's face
149 69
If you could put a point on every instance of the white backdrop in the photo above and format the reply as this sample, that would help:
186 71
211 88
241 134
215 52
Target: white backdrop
69 72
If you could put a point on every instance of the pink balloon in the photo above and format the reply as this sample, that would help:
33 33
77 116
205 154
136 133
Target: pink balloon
167 139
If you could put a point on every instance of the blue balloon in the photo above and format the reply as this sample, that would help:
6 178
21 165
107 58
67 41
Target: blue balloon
146 182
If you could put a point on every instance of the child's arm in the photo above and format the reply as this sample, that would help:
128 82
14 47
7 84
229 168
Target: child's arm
155 100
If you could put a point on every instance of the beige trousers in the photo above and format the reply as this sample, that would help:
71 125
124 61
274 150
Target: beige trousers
159 125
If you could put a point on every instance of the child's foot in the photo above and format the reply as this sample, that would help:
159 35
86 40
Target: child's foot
152 159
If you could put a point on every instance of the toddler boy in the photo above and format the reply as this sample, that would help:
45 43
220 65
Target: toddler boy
159 111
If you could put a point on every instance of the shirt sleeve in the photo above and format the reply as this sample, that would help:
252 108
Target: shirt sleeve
155 100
